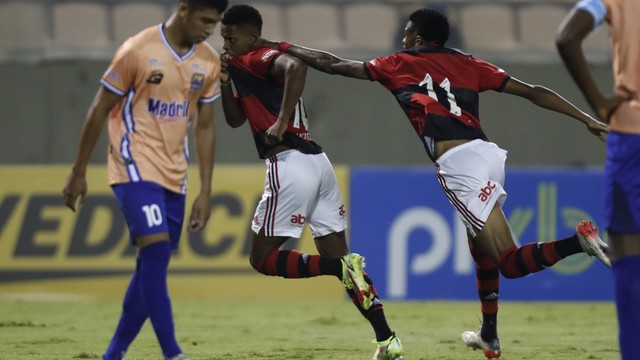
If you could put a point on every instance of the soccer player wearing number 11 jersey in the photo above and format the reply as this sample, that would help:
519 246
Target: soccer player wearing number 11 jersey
438 89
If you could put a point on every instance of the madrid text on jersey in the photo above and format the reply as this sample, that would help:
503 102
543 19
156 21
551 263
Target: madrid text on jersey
169 112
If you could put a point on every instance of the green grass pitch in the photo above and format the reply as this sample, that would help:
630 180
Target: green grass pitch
255 329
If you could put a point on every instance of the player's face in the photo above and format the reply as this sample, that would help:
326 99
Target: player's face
238 40
410 36
200 24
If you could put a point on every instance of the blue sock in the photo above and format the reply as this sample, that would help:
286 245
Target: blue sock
154 261
134 314
627 277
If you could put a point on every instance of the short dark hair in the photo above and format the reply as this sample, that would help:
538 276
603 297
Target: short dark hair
431 24
243 14
194 5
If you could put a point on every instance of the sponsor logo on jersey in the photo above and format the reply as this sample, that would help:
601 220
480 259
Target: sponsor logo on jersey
156 62
155 77
197 80
486 191
298 219
173 110
268 54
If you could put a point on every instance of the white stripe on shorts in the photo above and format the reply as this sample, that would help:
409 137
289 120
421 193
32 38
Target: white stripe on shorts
272 202
458 204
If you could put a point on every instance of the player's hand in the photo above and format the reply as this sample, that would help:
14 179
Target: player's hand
274 133
224 68
74 190
609 105
598 129
200 213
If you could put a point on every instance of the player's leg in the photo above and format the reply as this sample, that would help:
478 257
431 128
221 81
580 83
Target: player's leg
622 221
488 284
154 255
334 246
291 186
626 270
358 284
471 176
146 207
133 316
496 241
327 221
134 312
267 258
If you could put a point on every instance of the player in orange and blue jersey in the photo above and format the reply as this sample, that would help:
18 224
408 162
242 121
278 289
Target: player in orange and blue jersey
438 89
156 83
622 166
301 187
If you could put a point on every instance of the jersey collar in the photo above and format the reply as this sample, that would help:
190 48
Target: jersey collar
171 50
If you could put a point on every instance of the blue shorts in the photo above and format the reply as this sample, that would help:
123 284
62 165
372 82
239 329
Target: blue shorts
622 183
150 209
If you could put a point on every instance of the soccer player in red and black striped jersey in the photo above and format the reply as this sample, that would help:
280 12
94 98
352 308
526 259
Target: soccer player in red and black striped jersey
301 186
438 89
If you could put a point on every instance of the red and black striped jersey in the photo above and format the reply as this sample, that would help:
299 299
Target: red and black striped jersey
261 95
438 89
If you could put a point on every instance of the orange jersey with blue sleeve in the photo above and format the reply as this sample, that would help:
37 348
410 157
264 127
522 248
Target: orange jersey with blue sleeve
161 89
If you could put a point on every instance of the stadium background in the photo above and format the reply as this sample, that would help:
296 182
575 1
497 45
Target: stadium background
52 54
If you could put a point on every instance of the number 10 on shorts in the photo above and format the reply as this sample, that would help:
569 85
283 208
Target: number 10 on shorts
153 214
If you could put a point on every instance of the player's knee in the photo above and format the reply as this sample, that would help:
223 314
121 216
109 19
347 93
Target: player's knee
258 264
508 273
255 264
507 264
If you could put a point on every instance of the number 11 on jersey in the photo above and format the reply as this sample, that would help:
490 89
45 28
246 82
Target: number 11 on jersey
446 86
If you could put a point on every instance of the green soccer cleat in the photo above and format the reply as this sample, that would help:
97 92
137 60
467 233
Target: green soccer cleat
390 349
353 278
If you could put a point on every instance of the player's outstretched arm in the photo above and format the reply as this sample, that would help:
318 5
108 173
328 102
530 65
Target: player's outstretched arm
318 59
205 136
76 185
549 99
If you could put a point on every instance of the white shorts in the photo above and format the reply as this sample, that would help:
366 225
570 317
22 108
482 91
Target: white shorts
300 189
472 177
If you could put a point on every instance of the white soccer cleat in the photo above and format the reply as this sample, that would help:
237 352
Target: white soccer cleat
591 242
390 349
490 349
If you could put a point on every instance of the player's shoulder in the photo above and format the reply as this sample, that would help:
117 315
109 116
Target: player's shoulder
206 49
255 59
140 41
267 54
150 34
262 55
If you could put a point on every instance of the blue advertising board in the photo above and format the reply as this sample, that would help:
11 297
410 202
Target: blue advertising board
416 247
